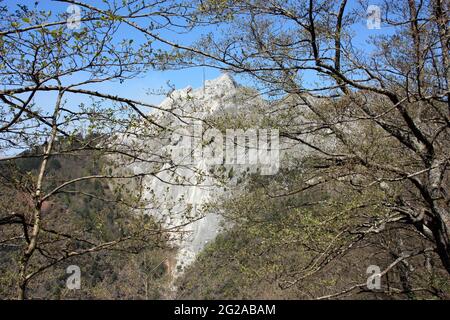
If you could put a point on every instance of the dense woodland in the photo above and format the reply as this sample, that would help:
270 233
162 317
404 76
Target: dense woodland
134 269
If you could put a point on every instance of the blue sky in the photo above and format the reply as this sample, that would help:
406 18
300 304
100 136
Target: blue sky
138 88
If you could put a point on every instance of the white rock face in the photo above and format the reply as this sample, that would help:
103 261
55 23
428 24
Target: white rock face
181 189
179 192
